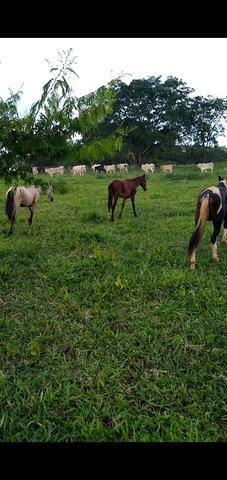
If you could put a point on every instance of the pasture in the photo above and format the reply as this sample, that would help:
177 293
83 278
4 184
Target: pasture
105 333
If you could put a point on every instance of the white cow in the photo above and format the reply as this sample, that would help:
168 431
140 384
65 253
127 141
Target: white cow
109 168
148 167
167 168
204 167
54 170
78 170
122 167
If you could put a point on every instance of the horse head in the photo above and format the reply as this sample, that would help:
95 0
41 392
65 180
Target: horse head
222 180
46 189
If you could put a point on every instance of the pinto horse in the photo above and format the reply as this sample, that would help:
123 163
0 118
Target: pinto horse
211 206
17 197
124 189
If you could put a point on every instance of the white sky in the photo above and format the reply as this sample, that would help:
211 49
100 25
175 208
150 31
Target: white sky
200 62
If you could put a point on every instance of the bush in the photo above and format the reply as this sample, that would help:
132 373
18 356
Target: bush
60 186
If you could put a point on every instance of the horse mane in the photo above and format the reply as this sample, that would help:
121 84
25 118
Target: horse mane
222 183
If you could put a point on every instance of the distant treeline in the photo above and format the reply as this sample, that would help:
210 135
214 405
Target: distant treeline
163 122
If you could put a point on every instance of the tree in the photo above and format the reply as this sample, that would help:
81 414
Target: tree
207 121
67 118
54 124
151 112
11 132
162 120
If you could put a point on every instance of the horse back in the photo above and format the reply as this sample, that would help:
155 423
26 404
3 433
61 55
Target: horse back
217 208
117 187
123 188
26 197
128 188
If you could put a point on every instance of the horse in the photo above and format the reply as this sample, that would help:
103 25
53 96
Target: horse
211 206
17 197
124 189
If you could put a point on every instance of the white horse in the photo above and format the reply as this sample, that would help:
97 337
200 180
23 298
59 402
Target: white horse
17 197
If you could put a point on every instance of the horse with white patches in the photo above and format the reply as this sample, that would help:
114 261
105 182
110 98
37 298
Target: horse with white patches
17 197
211 206
205 167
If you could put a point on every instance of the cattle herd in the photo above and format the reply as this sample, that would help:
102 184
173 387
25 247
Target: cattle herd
79 170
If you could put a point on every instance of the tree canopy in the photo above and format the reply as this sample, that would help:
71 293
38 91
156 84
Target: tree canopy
53 129
158 117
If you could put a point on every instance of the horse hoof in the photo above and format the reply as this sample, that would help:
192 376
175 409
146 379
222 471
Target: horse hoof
192 267
216 259
224 243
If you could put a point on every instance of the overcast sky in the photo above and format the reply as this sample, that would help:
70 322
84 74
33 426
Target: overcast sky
200 62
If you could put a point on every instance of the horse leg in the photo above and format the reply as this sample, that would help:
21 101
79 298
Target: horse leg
31 215
224 238
133 206
217 228
192 261
12 221
122 207
113 208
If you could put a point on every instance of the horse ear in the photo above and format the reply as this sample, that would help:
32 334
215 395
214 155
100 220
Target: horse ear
220 178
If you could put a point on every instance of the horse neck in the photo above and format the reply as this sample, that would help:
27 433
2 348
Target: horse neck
137 181
222 185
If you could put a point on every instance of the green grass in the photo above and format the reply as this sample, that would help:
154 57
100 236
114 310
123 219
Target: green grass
105 333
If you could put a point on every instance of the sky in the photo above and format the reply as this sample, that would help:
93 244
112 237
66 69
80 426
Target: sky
200 62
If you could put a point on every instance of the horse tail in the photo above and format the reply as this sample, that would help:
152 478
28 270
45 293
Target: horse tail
202 215
9 206
110 196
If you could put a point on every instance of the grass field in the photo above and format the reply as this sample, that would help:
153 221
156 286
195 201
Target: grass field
105 333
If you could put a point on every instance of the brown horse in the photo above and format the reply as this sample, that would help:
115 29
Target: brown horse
124 189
